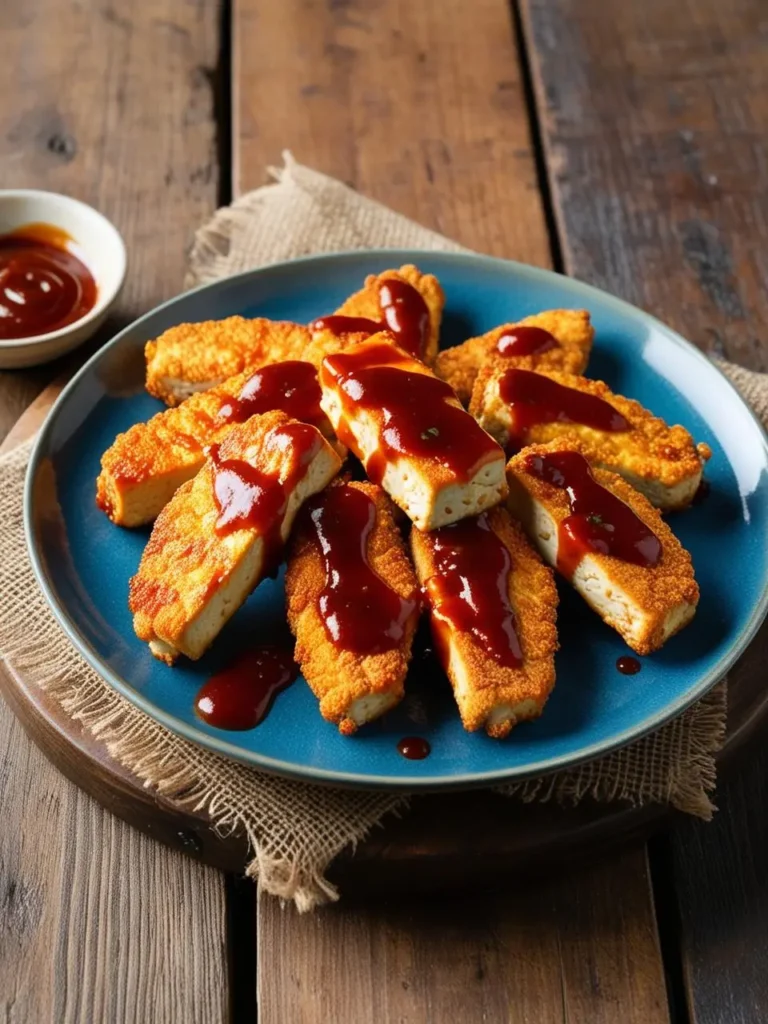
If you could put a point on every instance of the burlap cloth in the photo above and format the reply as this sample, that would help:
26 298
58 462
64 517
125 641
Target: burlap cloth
296 829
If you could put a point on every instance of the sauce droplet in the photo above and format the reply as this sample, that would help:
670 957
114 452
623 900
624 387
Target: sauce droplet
405 314
240 697
627 665
360 612
337 323
599 521
533 398
291 386
469 591
415 748
44 286
525 341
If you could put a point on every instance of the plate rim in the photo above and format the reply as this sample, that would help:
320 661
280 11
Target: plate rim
289 769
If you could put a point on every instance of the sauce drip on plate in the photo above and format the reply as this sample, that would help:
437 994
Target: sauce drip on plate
291 386
43 284
599 521
241 696
469 592
627 665
406 314
533 398
360 612
417 419
525 341
415 748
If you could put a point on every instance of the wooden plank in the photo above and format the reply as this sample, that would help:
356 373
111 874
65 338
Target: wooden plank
568 950
655 121
114 106
419 105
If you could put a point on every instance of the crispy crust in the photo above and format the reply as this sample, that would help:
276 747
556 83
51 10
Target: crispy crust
460 365
366 301
185 560
205 354
656 591
533 596
654 457
339 677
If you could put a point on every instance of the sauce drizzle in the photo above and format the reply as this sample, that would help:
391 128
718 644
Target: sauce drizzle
337 323
599 521
360 612
415 748
406 314
469 592
526 341
241 696
627 665
43 284
291 386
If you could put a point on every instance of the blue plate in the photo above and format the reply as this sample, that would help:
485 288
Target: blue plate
84 563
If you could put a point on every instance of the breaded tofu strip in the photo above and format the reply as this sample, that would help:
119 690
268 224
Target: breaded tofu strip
147 464
194 357
223 532
411 433
414 319
520 407
493 605
562 340
353 603
608 540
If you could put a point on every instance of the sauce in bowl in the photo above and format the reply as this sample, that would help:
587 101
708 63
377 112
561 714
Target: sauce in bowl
44 286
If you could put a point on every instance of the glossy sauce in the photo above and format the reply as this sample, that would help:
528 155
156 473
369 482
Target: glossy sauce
533 399
359 611
240 697
418 422
599 521
339 324
627 665
526 341
469 591
406 314
43 284
291 386
415 748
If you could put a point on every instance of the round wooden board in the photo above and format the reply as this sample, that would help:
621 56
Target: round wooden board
446 840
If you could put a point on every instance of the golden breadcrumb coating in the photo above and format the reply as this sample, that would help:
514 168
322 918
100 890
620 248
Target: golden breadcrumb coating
195 357
662 462
488 694
142 469
460 365
342 679
654 595
365 303
191 578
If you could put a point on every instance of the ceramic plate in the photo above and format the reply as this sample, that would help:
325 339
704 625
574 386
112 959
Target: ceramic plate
84 563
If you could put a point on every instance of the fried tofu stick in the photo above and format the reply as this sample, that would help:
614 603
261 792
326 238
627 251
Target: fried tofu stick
410 431
147 464
195 357
567 348
493 607
223 531
607 539
352 603
519 407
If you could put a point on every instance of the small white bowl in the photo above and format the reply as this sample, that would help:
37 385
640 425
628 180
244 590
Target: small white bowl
101 249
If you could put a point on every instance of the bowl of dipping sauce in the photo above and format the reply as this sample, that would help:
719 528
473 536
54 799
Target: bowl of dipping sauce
62 265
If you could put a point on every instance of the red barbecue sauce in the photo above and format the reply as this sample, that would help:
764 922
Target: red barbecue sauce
291 386
418 421
360 612
599 521
406 314
415 748
627 665
339 324
240 697
525 341
43 284
533 399
469 591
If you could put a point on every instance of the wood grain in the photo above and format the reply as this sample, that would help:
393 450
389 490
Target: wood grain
111 104
566 950
655 121
419 105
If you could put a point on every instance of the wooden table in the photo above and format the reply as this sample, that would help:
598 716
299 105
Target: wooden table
621 143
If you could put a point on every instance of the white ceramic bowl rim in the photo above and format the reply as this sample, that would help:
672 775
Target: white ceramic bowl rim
104 296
